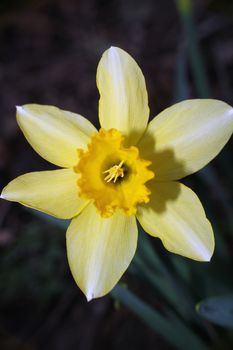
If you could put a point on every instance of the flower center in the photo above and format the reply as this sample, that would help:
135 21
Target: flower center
114 172
112 176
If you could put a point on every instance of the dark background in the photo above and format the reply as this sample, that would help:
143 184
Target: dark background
49 51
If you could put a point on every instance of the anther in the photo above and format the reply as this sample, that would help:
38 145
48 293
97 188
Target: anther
114 172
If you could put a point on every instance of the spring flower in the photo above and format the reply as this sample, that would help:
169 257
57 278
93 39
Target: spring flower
126 170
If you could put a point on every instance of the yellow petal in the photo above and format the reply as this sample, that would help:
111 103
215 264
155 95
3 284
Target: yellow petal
53 133
123 103
185 137
54 192
100 250
176 216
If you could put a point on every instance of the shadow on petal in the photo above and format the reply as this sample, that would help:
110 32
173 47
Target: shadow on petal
164 163
162 193
165 167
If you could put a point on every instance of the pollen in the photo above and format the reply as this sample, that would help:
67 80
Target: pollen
111 175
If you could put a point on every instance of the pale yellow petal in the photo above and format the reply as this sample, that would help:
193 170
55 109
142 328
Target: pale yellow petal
100 250
53 133
54 192
176 216
185 137
123 103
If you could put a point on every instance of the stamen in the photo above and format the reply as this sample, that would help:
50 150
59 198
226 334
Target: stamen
114 172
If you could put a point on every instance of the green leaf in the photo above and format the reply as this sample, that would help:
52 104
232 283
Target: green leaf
193 50
168 325
150 268
218 310
181 90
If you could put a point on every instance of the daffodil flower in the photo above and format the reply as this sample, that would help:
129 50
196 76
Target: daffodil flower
127 170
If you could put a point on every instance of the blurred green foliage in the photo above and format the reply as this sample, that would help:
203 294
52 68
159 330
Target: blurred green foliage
218 310
34 266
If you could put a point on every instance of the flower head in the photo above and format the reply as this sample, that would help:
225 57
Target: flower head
126 170
111 175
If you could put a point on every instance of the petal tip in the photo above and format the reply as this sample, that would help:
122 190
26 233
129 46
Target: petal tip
230 113
90 296
113 48
19 108
2 194
20 112
114 52
206 256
